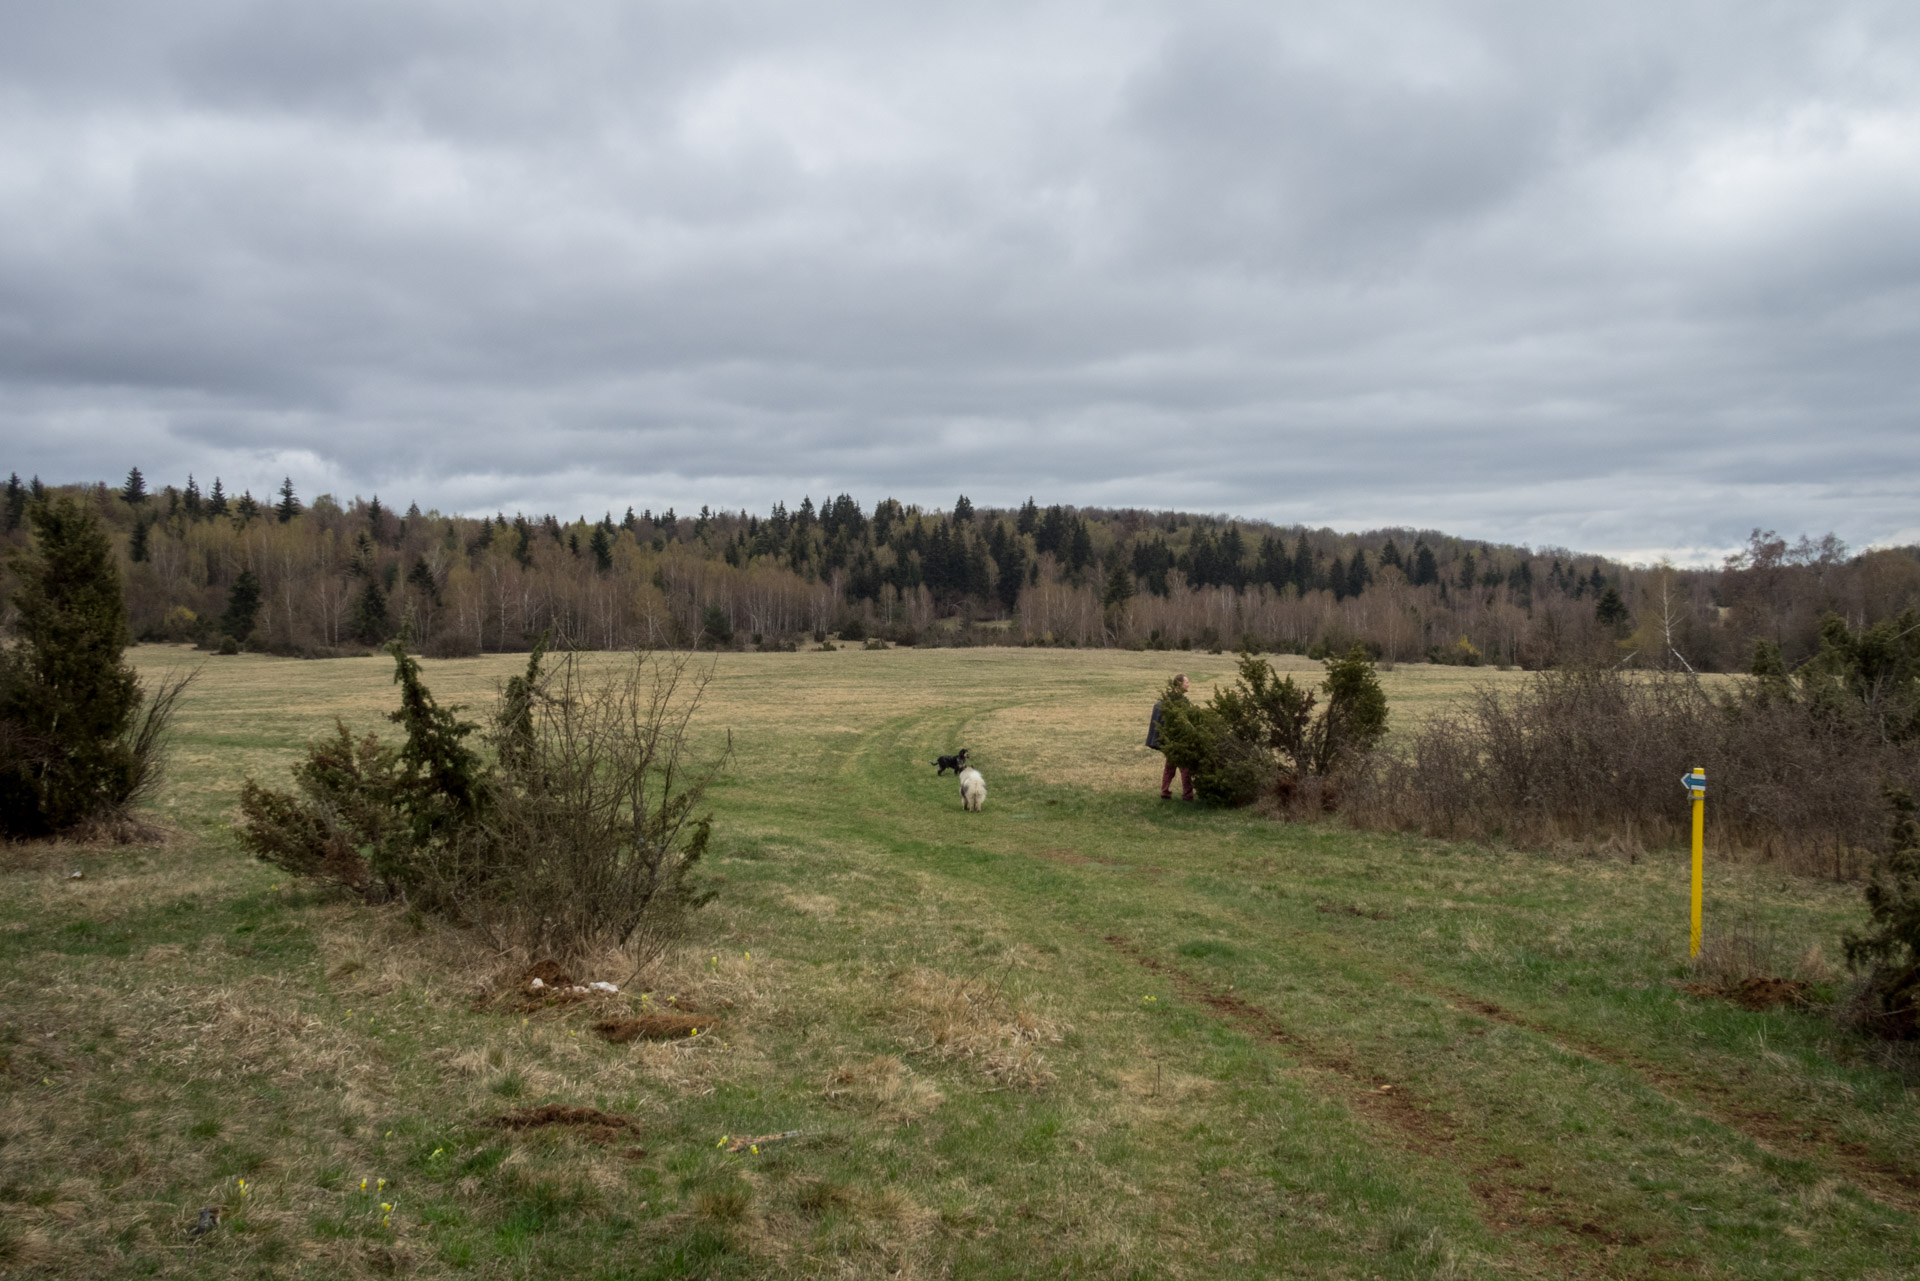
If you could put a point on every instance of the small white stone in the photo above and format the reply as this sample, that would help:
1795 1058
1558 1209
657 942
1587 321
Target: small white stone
536 985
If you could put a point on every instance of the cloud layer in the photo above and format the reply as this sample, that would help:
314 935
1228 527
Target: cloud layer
1632 278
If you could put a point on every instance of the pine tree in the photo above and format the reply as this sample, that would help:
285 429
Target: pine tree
67 700
243 606
135 490
289 506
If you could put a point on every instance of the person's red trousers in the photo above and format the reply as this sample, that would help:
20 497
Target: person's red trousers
1186 783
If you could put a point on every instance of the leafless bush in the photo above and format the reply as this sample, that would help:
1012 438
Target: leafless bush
1596 756
594 837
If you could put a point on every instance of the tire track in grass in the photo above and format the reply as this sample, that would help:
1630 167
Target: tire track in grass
1500 1185
1886 1182
1895 1186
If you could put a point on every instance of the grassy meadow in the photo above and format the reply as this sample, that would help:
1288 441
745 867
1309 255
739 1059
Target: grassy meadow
1083 1033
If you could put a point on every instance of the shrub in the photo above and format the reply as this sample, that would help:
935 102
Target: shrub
1262 734
1795 764
1889 949
582 833
75 745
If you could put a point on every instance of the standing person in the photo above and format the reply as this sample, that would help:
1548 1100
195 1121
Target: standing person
1176 689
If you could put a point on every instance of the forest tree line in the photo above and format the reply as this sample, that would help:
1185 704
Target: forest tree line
322 577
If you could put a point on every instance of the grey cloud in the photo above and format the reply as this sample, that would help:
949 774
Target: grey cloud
1486 268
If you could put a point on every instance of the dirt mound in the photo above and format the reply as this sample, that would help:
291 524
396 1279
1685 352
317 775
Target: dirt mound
1760 993
591 1123
653 1026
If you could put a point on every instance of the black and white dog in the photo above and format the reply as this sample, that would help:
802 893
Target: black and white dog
956 763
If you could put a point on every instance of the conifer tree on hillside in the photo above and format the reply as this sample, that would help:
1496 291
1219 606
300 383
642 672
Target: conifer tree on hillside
216 499
289 506
190 500
1029 518
15 510
1119 589
245 509
135 490
137 541
1425 568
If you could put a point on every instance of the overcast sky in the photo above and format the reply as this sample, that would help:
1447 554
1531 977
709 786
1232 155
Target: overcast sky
1630 278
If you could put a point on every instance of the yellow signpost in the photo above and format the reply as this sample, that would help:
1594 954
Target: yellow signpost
1696 785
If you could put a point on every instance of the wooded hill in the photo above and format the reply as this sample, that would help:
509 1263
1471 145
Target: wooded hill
329 577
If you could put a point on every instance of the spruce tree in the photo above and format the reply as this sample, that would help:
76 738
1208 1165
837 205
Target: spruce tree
602 550
1610 610
137 542
289 506
1425 568
216 499
67 700
963 508
191 500
1029 518
371 623
135 490
243 606
16 503
244 508
1119 586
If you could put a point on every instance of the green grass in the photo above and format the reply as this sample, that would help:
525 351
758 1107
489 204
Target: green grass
1085 1032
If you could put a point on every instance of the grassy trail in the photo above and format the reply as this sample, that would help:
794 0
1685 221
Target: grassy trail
1085 1032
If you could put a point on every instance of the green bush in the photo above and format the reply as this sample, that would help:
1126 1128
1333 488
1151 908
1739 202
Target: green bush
582 833
1889 949
1262 735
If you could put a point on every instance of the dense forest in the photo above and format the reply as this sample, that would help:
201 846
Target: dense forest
331 577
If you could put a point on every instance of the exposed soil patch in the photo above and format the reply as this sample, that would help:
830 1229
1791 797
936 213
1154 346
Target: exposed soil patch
657 1026
1508 1198
1352 909
1074 858
1757 993
590 1123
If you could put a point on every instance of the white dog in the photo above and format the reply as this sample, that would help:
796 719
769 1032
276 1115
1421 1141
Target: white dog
973 790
